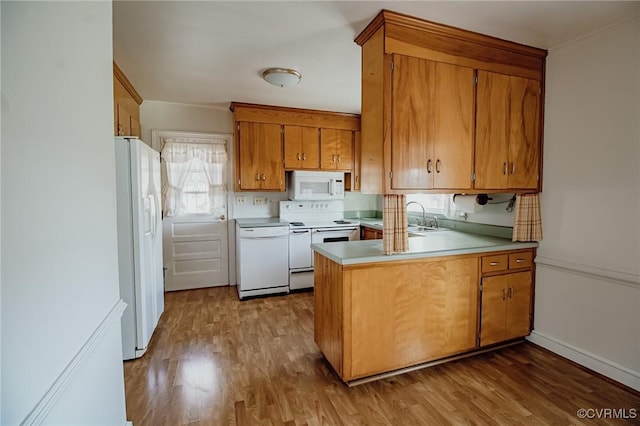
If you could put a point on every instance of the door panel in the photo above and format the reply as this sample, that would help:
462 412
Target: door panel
195 253
492 131
453 126
524 133
493 309
328 148
344 150
519 307
310 147
413 91
249 154
270 147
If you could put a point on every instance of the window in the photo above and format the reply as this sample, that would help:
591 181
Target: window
195 178
433 203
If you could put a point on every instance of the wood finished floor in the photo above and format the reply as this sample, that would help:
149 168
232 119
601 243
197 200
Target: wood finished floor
214 360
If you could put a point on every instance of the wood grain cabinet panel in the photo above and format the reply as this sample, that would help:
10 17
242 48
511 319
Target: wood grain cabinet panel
379 317
126 102
260 157
506 307
336 149
508 135
301 147
432 125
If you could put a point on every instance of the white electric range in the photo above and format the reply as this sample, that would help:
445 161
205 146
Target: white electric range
312 222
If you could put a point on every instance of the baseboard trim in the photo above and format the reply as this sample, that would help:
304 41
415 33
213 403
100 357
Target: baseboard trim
617 277
39 413
594 362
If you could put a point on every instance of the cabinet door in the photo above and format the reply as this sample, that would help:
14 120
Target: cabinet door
518 316
135 127
328 146
357 152
249 137
272 175
260 157
492 131
292 147
453 126
413 115
301 147
494 309
124 121
344 150
524 136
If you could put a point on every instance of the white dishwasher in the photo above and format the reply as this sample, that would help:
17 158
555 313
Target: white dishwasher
262 257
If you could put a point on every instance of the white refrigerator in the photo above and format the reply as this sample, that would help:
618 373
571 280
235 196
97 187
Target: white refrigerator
139 242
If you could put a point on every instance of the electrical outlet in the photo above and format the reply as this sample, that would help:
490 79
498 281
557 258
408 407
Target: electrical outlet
240 200
259 201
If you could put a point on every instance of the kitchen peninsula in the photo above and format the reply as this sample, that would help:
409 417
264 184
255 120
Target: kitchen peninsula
452 293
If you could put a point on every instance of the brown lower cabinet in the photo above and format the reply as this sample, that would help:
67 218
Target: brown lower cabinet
370 233
382 316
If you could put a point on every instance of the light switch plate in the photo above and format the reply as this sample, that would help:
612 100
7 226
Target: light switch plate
259 201
240 200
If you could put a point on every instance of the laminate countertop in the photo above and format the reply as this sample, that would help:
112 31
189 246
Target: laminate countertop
434 244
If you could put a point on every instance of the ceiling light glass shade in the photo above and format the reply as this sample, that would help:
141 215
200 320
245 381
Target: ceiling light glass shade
281 77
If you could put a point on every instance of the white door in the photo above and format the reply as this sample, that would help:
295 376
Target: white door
195 252
195 246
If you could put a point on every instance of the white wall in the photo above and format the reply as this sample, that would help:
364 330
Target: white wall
156 115
588 275
61 354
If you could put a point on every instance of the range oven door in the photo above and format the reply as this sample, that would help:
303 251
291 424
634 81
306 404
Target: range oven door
330 235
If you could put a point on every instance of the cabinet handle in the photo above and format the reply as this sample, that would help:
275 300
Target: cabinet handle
338 158
519 260
356 179
513 168
494 263
120 130
429 165
333 158
438 165
504 294
257 176
298 156
505 169
304 157
263 177
510 292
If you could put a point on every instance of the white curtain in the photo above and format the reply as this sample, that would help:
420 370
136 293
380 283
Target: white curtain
181 159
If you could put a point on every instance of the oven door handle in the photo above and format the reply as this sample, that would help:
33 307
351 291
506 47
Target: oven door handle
300 232
335 230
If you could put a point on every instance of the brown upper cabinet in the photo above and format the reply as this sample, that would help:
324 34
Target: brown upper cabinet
126 105
271 139
301 147
336 149
448 110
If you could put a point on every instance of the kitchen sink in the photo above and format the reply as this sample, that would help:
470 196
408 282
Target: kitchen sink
421 230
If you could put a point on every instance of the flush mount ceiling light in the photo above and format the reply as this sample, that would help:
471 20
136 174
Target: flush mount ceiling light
281 77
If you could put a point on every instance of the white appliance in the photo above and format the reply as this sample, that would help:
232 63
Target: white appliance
305 185
313 222
139 242
262 256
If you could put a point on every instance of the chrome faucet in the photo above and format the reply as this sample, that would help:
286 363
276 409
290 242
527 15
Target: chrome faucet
424 216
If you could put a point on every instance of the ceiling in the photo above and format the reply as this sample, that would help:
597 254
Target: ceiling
213 52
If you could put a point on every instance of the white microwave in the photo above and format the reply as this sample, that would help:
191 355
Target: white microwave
305 185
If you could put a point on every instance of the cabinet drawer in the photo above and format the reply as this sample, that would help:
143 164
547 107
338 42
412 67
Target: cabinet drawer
520 260
495 263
